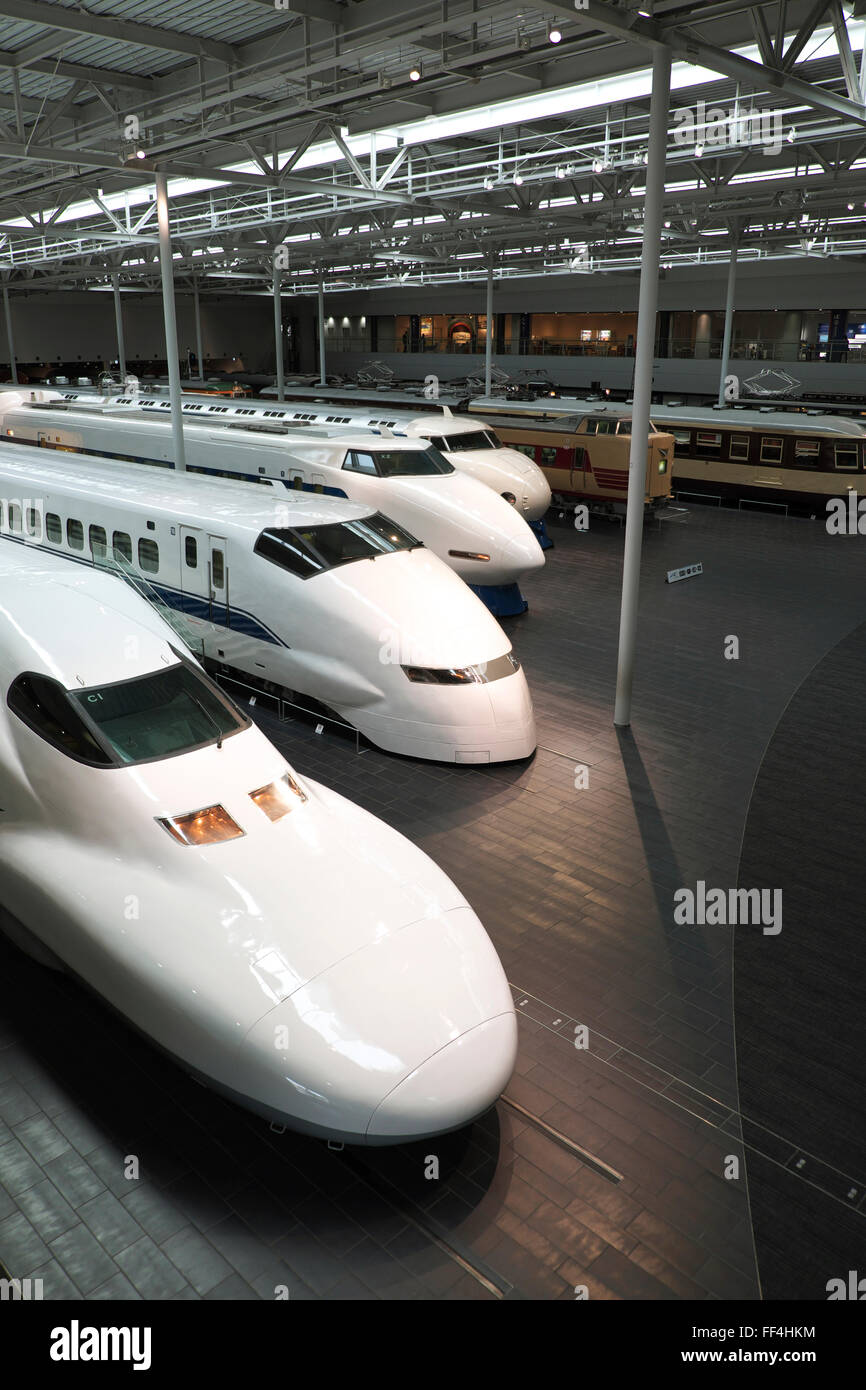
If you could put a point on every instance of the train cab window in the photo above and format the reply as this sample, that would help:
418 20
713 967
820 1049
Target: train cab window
311 550
159 715
121 544
190 552
357 462
54 528
15 518
74 534
218 568
44 706
623 426
845 457
98 540
738 447
771 448
148 556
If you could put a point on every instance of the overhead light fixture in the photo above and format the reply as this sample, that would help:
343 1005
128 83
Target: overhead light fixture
554 34
141 154
791 135
488 184
850 207
560 173
415 75
699 149
517 180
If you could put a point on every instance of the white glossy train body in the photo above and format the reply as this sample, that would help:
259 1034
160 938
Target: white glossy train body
480 535
363 1003
472 446
312 594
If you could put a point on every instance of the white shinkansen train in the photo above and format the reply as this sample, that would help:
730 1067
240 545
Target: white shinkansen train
313 595
478 534
472 446
366 1005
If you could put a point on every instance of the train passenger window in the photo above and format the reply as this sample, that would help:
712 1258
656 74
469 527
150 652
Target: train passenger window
298 482
190 552
74 534
807 448
148 555
54 528
44 706
771 448
121 544
98 540
846 457
739 446
218 569
548 456
356 462
681 436
15 517
527 449
34 523
709 439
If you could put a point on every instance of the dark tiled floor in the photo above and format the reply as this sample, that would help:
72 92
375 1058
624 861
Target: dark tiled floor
575 887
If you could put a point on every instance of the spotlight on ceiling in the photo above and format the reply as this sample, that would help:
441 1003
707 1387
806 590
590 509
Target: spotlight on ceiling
791 135
560 173
141 154
699 149
415 75
554 34
517 180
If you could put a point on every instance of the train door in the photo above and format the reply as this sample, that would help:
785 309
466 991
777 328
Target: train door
218 581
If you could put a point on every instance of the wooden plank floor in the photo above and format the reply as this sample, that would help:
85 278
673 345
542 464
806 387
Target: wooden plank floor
575 885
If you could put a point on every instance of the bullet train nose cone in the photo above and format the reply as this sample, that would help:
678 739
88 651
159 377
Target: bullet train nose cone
452 1087
527 554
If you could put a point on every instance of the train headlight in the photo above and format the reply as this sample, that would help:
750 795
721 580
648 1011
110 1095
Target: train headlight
276 798
428 675
467 555
209 826
663 461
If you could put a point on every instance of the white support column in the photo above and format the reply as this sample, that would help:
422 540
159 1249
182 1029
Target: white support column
488 342
729 315
118 320
13 365
278 333
643 377
167 270
197 307
322 376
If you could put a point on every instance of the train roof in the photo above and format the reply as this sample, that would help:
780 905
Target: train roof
760 416
161 491
47 606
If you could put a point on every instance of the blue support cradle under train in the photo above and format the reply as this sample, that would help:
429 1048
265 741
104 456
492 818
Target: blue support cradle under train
540 531
503 600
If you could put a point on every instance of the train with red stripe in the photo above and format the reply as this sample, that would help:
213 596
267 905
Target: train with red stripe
585 457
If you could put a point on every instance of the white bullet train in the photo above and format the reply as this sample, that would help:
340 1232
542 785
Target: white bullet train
477 533
317 596
156 845
472 446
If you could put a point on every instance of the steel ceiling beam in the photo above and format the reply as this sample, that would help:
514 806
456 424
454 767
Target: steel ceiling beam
102 26
686 43
77 72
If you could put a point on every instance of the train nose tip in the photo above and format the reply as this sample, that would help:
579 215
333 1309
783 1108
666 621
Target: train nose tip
451 1088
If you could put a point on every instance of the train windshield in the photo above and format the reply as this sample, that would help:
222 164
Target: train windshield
398 463
159 715
462 443
310 550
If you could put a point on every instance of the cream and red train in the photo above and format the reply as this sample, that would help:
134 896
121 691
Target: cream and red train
316 596
288 948
748 453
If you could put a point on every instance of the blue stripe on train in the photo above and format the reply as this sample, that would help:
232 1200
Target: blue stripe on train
190 604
